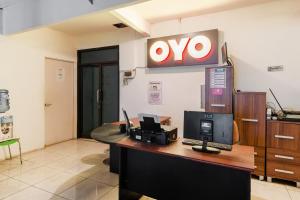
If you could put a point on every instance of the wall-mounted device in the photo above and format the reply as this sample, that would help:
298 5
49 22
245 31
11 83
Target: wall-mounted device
275 68
127 75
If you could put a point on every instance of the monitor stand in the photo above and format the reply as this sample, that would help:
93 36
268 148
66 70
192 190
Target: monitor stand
204 148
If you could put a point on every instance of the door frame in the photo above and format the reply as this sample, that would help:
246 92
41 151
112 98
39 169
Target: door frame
79 88
74 88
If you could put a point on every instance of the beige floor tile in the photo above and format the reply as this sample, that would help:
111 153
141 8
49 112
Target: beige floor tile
64 163
10 164
146 198
37 175
6 167
10 186
3 177
108 178
87 190
32 193
91 171
268 191
59 183
293 188
14 161
26 166
83 169
46 158
295 195
111 195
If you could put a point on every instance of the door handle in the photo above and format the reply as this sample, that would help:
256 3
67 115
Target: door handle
217 105
98 96
284 137
284 171
48 104
249 120
284 157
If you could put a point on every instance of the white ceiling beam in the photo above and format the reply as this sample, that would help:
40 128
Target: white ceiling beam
29 14
134 20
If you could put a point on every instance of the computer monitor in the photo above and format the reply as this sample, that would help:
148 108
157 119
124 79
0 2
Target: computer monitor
224 53
208 127
225 57
128 125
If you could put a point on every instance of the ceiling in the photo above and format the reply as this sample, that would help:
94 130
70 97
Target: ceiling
5 3
152 11
98 22
158 10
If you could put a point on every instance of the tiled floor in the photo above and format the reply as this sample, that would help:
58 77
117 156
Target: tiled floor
73 170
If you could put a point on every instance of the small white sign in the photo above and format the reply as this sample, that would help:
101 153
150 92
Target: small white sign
60 74
155 93
218 78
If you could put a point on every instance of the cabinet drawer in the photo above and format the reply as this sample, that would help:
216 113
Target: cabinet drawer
259 152
283 135
283 156
283 171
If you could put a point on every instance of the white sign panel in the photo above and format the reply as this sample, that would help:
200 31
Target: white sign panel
60 74
155 93
218 78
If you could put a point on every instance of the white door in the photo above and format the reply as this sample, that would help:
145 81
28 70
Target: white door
59 101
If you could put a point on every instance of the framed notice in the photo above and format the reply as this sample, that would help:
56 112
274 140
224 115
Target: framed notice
155 93
60 74
218 78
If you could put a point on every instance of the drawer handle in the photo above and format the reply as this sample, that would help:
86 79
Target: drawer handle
250 120
255 167
217 105
284 137
284 157
284 171
255 153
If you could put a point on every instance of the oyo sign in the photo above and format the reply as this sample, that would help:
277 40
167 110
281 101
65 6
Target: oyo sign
189 49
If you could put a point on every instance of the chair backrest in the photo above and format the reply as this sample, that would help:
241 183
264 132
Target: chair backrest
236 133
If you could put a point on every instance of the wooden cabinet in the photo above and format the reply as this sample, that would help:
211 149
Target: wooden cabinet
218 89
260 161
283 150
250 116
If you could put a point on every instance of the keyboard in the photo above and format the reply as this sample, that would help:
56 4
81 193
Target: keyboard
192 142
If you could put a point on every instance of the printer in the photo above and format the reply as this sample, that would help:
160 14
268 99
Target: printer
151 131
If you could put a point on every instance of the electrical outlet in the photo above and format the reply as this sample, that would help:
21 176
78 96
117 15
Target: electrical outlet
275 68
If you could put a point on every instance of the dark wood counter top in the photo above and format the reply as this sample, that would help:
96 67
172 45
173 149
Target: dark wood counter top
241 157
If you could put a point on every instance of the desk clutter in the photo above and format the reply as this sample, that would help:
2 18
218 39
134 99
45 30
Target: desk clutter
150 130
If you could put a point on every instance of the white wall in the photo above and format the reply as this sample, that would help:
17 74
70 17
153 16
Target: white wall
22 73
257 36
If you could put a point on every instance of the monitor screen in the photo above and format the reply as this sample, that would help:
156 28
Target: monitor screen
126 118
214 127
224 53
